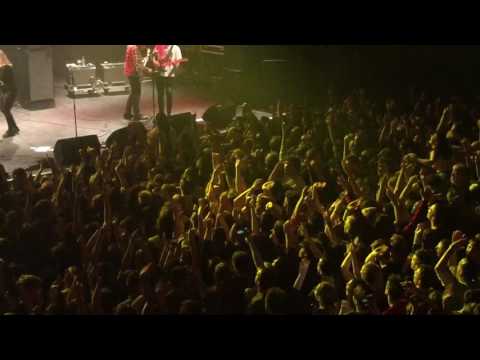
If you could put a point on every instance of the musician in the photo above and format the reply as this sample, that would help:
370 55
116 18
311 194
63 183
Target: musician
167 59
8 94
134 68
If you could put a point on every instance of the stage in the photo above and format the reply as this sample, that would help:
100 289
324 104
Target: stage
99 116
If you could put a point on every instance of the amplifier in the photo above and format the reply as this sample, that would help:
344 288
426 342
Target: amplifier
113 77
112 73
213 49
81 79
79 75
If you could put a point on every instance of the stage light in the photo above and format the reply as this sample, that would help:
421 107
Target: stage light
41 149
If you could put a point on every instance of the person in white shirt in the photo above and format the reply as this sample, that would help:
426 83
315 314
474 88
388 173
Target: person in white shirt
167 59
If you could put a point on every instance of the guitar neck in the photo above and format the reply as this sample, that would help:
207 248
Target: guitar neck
167 62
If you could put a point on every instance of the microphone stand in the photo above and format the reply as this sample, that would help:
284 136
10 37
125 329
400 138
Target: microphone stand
74 97
153 96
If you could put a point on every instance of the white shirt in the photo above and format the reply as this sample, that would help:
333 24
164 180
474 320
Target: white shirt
175 56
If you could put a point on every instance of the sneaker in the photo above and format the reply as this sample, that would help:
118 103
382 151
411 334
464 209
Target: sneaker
9 134
140 117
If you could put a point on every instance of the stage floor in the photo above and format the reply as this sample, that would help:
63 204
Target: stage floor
99 116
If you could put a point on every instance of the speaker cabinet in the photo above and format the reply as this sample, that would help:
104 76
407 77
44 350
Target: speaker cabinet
34 75
66 151
130 135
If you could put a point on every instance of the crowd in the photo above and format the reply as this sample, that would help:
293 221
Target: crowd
354 207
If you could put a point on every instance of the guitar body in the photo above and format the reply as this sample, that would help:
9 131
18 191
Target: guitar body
177 68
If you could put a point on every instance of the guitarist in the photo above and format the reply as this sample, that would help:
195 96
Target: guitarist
135 66
8 94
167 59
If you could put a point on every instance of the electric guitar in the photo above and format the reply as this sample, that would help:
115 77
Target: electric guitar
165 64
145 64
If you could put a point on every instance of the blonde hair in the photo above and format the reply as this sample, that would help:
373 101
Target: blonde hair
4 60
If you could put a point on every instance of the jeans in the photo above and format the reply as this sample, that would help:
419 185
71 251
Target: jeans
133 101
164 91
8 101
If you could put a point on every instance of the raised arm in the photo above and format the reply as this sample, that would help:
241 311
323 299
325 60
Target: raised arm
441 268
277 172
299 205
444 120
346 267
196 261
256 255
240 184
282 152
331 134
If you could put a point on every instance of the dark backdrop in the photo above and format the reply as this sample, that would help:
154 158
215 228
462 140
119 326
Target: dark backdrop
314 68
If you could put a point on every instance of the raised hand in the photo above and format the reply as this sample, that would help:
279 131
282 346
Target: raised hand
457 244
457 235
420 228
348 138
257 184
390 194
240 164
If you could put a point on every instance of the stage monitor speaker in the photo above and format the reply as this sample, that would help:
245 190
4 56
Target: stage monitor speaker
34 75
130 135
183 123
219 117
67 150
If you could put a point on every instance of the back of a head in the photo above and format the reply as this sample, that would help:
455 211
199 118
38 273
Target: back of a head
467 273
42 209
326 294
265 278
241 263
173 302
295 162
267 222
425 257
472 296
394 287
371 273
222 274
29 282
190 307
275 143
219 236
125 310
398 245
165 221
107 300
326 266
425 277
132 282
443 213
276 302
363 297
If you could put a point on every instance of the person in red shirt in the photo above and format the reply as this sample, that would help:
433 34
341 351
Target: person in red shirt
167 58
134 71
